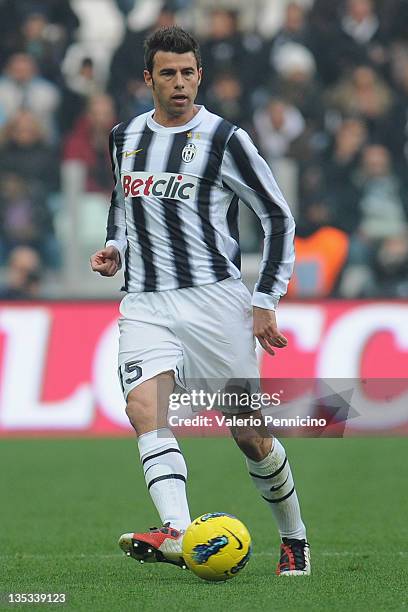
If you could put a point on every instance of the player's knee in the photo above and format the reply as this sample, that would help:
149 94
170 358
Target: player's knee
254 447
140 411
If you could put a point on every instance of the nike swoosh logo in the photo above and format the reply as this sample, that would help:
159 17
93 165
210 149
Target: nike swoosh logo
272 489
237 539
130 153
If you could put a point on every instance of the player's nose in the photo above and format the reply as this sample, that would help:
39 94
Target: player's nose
179 81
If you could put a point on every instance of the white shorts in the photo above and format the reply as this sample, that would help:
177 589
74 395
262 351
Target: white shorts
201 333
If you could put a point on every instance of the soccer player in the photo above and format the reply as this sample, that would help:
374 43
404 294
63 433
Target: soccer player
179 172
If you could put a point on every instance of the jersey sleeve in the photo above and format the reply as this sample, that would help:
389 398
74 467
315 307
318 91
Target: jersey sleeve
248 175
116 226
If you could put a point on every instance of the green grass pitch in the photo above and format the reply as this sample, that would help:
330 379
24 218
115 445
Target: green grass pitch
65 502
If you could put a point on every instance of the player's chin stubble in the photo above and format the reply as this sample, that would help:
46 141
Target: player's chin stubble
173 110
165 105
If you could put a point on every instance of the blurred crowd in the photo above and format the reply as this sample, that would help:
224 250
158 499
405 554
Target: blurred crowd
322 87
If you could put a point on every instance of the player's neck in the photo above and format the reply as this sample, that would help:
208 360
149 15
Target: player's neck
162 118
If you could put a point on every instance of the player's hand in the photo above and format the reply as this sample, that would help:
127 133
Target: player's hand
106 261
266 330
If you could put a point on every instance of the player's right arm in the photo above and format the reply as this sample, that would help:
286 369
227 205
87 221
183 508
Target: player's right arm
108 260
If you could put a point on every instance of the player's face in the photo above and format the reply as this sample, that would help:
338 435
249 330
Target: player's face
174 84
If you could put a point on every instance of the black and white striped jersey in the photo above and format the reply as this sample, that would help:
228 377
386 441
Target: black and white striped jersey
174 207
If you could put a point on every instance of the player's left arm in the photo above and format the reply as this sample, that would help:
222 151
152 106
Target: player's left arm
248 175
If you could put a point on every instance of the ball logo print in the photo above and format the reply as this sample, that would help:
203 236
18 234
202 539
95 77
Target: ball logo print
238 541
212 515
202 552
242 563
189 152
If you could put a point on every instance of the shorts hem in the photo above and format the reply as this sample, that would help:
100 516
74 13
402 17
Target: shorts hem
140 381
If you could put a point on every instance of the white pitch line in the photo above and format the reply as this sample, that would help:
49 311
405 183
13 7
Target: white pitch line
343 553
324 553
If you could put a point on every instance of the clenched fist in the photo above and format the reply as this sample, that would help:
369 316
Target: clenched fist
106 261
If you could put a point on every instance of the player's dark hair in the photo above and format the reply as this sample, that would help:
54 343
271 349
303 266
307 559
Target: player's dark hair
173 39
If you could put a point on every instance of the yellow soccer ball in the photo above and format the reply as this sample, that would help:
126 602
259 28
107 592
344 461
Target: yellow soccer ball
216 546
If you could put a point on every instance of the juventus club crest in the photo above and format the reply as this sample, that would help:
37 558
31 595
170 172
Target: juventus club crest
189 152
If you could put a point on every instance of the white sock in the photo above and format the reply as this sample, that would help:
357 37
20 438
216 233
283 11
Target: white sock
273 479
166 475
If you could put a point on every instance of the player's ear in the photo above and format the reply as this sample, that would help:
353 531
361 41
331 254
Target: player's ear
148 78
200 75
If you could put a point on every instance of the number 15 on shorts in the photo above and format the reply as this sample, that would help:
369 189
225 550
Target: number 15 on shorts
129 373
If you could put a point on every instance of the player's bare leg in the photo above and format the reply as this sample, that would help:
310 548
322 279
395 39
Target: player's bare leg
147 404
269 469
165 473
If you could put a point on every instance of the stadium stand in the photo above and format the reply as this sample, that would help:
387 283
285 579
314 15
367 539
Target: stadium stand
322 87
